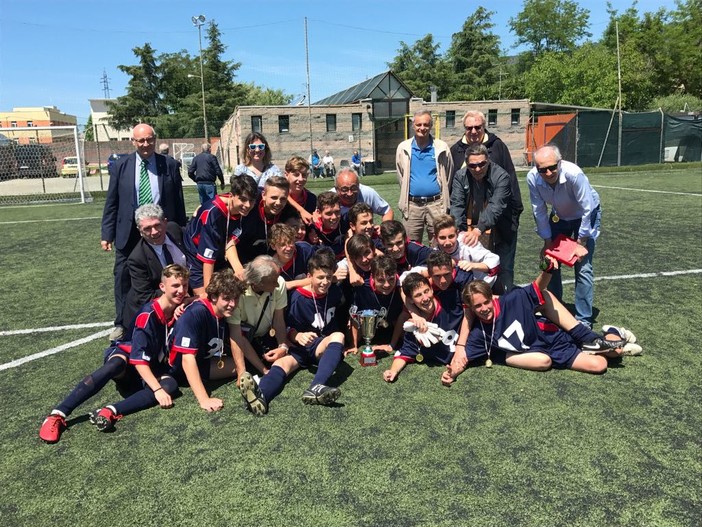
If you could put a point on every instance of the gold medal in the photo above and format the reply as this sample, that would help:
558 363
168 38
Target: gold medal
220 363
271 332
420 357
555 218
488 363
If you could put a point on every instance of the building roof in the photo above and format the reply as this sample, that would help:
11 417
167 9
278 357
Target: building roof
383 86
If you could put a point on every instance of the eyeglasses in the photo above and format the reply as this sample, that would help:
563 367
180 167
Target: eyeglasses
145 141
477 165
348 189
543 170
257 146
471 128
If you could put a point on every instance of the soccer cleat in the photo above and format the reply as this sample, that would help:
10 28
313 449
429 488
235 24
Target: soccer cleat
254 400
600 345
620 331
52 428
320 394
632 349
116 334
104 419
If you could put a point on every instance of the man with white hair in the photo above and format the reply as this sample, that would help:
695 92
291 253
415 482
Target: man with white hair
350 191
575 212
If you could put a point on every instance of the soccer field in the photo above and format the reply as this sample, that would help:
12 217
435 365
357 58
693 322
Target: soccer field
500 447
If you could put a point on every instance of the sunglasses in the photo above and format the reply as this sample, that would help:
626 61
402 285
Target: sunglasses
471 128
543 170
477 165
258 146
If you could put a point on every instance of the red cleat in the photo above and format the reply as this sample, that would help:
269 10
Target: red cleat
52 428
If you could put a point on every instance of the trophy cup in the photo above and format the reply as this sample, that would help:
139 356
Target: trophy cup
366 321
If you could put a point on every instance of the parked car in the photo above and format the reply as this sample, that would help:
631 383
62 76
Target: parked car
35 161
69 167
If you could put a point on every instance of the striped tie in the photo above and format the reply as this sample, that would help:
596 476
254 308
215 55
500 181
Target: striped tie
144 184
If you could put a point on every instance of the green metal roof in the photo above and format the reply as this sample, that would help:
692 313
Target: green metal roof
383 86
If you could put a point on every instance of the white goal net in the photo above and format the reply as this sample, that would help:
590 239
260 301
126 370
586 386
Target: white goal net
42 164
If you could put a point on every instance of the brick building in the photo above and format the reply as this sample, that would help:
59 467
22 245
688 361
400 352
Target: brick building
31 117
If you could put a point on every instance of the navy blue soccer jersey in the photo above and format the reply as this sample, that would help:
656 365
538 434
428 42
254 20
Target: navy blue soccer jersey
310 312
198 332
517 329
296 268
451 299
439 352
309 201
149 339
207 234
253 240
415 254
367 297
335 238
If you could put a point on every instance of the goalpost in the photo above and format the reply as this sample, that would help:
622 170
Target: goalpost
42 164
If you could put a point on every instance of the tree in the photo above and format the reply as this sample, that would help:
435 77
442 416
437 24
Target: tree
88 132
474 58
677 103
550 25
422 66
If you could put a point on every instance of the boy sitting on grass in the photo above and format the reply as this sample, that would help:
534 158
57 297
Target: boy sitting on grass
313 330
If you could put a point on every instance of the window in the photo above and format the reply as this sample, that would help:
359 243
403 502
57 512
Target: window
283 124
515 115
257 124
492 117
450 118
30 123
355 122
13 124
331 122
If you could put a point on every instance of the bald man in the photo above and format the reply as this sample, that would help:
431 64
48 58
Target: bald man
137 179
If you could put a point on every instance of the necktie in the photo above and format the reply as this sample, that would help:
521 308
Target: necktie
167 255
144 184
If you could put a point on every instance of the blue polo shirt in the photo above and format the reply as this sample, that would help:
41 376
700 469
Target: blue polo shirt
423 174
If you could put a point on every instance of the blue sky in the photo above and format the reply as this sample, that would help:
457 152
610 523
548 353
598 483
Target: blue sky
53 52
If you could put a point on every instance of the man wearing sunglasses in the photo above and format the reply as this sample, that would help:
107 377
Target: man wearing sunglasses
205 171
481 200
575 212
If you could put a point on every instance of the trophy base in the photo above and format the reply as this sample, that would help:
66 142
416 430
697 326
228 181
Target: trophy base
368 357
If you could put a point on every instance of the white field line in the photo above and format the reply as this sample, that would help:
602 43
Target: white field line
105 332
52 220
654 191
53 328
52 351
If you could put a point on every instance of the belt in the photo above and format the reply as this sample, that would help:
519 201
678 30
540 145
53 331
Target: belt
423 200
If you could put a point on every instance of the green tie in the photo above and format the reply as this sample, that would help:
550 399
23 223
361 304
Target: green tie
144 184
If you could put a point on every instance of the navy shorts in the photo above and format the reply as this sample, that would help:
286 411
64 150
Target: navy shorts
306 355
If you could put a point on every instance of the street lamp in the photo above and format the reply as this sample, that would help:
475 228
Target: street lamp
198 21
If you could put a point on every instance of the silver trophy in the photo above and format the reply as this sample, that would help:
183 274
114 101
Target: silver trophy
367 321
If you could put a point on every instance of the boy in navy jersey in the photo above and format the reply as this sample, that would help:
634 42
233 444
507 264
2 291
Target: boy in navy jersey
199 343
360 218
482 263
406 253
291 255
507 331
329 230
313 330
214 225
381 290
418 291
271 208
302 200
148 339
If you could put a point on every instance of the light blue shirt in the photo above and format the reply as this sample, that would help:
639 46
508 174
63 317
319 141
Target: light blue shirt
572 198
371 197
153 178
423 172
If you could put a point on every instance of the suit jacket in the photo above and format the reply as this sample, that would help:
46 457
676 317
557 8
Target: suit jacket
145 272
118 224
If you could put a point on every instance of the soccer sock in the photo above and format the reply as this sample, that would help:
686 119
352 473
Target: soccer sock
91 385
582 334
333 355
272 383
144 398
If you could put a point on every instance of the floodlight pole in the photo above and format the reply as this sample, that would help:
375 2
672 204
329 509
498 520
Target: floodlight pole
198 21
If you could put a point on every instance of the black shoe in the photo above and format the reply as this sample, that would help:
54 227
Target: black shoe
320 394
600 345
254 400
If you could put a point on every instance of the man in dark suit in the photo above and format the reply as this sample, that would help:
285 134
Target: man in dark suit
161 244
136 179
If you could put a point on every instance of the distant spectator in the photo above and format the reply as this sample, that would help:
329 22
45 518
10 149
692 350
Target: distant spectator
316 164
328 162
356 162
257 160
205 170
